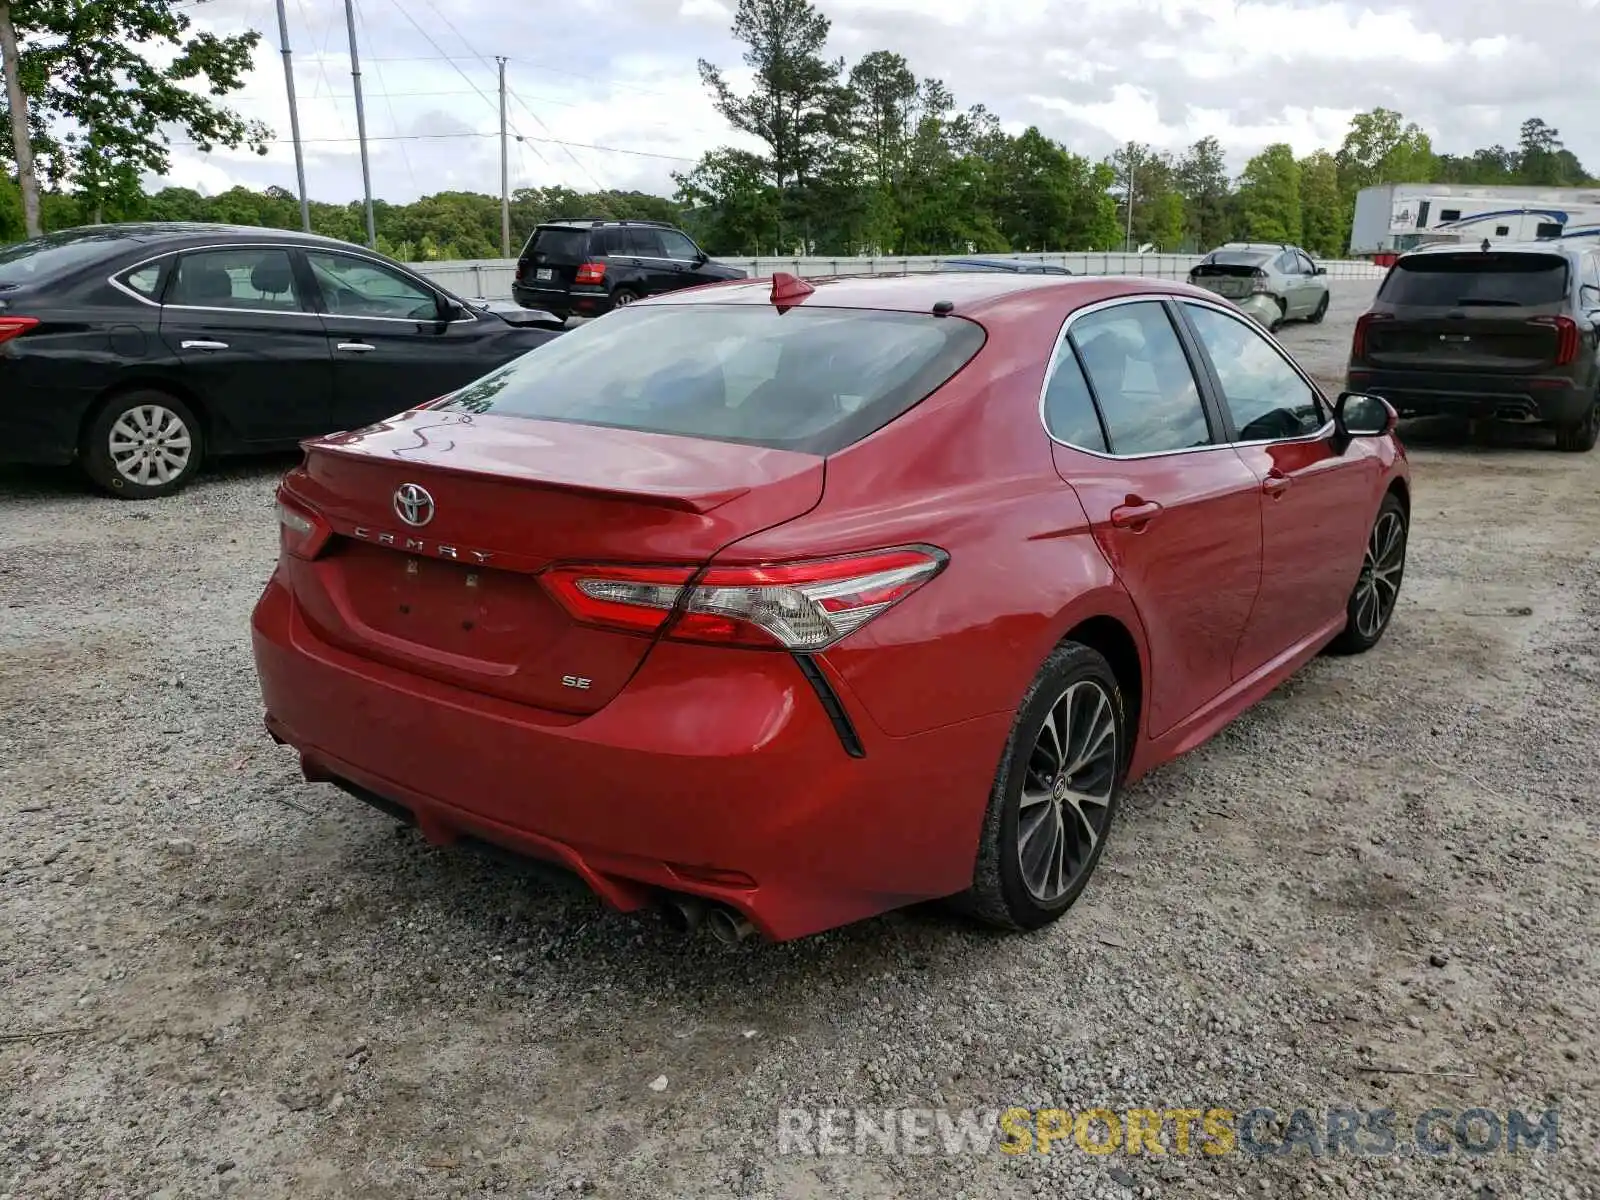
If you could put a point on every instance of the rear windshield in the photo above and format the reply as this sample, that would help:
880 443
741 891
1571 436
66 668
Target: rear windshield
813 380
559 245
1477 280
55 254
1239 258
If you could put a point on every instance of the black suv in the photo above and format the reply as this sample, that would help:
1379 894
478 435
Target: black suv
587 266
1506 332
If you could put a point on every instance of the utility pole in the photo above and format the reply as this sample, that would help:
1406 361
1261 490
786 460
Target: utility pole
294 120
11 60
505 169
1130 153
361 123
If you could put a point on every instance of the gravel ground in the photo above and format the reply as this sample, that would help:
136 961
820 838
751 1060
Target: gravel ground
1376 890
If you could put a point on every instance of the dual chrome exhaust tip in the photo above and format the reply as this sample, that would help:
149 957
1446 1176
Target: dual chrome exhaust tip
686 914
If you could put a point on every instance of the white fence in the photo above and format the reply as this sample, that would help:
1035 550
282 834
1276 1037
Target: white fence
490 279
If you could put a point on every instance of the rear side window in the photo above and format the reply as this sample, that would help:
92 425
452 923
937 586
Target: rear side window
813 380
1141 378
1490 280
247 278
559 245
1068 407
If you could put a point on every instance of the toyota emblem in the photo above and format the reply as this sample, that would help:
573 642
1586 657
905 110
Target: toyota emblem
412 504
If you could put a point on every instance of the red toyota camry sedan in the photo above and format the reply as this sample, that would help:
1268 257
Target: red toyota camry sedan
781 604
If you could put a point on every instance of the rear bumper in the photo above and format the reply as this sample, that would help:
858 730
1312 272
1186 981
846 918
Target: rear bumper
717 776
41 425
563 302
1553 399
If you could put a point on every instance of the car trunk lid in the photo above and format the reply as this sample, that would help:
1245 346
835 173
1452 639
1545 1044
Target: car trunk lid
1233 280
1501 339
1470 311
553 256
457 596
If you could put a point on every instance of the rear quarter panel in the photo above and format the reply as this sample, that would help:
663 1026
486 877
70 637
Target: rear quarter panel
968 470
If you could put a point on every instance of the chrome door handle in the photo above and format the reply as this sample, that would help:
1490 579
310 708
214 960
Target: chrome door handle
356 347
201 345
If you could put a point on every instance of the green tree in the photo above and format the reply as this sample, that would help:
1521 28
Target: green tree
1381 147
733 208
13 228
1270 192
1324 219
795 103
1542 160
92 83
1202 177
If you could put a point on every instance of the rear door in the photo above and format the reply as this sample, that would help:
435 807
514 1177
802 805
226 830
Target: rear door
391 347
251 344
656 272
1176 511
1316 505
1471 312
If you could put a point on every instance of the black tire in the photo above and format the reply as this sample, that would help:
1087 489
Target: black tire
100 462
1000 894
624 296
1580 436
1322 310
1359 634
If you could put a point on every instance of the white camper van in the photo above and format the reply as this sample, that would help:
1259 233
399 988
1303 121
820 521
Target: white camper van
1395 217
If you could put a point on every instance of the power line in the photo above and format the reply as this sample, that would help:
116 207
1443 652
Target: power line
430 137
539 120
428 37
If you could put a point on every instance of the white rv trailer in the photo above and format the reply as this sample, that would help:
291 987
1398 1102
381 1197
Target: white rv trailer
1395 217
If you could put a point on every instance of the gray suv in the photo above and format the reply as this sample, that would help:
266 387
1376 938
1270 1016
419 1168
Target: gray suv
1274 283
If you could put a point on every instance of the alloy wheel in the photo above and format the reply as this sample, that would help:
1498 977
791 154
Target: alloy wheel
150 445
1381 568
1067 790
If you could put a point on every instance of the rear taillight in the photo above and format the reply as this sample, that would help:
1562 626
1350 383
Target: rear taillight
301 530
1358 343
1258 281
804 606
591 272
15 327
1566 337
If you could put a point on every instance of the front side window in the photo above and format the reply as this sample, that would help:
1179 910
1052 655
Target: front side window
257 278
1141 378
812 380
1265 395
359 287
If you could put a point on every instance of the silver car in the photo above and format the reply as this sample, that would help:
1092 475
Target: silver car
1273 283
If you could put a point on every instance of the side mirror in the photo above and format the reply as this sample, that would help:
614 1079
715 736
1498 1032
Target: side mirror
1358 415
1319 270
701 258
449 310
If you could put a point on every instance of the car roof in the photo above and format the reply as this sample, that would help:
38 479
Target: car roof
600 222
158 232
971 293
1545 247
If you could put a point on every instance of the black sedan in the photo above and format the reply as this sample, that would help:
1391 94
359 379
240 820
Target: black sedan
138 350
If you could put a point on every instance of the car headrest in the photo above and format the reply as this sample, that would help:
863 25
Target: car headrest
271 276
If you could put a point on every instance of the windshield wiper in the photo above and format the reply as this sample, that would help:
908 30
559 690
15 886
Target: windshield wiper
1486 302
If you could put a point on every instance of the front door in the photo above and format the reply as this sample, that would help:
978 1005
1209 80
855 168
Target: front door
1176 512
392 345
1316 504
251 345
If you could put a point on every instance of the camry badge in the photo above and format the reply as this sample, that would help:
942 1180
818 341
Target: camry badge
413 504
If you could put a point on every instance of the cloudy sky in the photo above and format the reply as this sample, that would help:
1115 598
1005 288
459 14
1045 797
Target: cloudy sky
605 92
